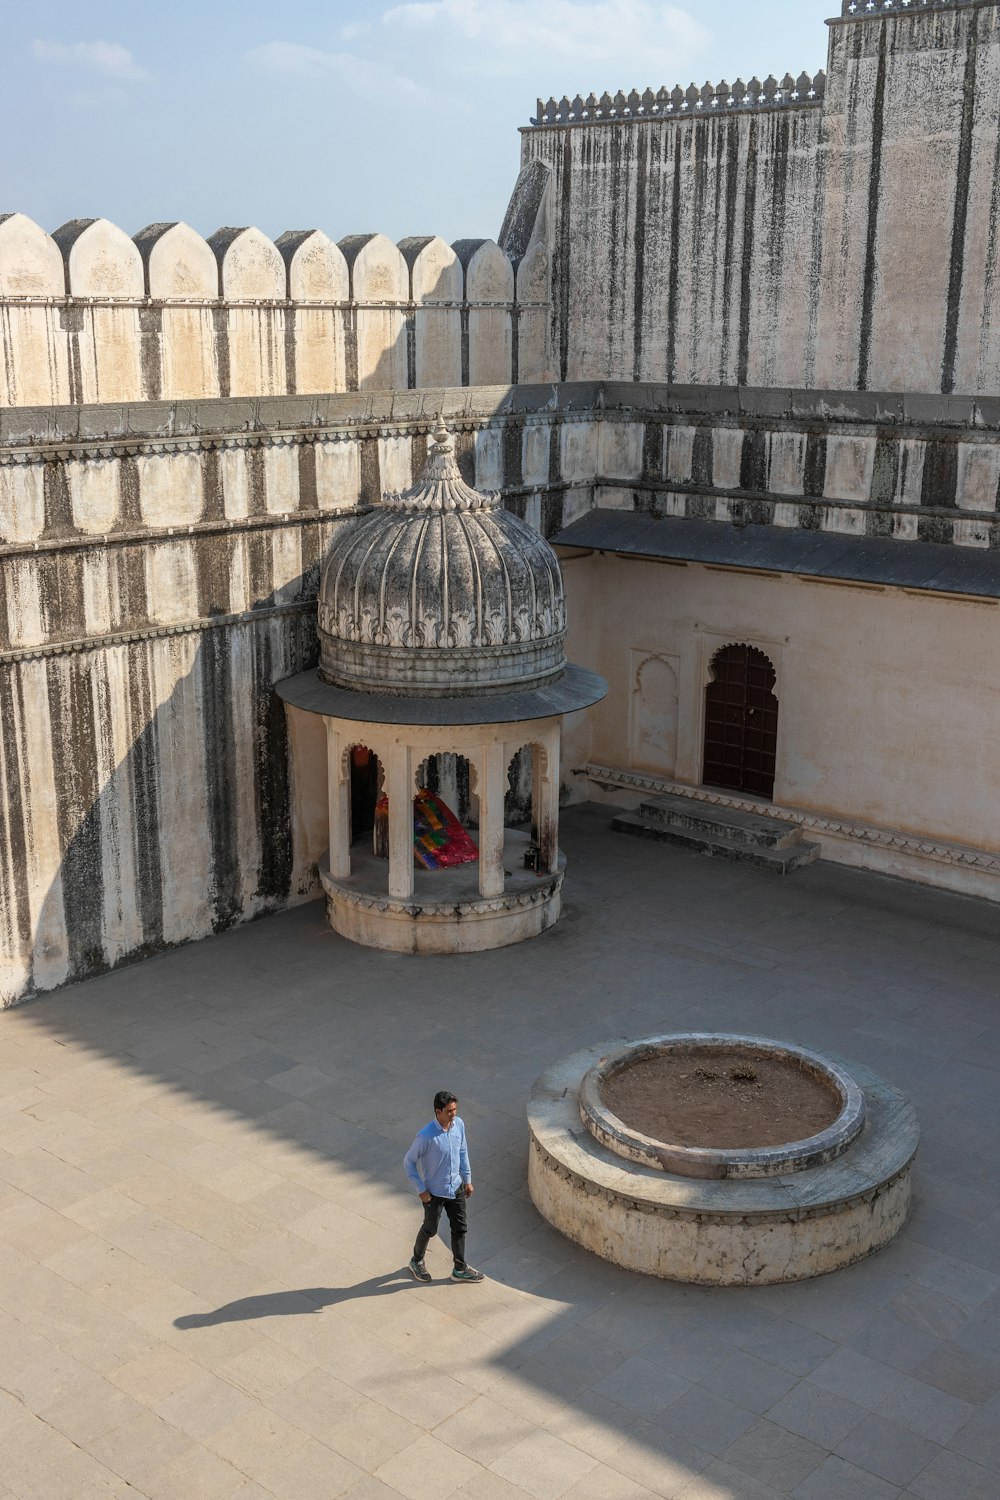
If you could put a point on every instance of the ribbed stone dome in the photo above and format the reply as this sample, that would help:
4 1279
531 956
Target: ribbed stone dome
440 592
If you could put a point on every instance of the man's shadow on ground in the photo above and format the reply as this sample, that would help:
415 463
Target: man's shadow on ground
311 1299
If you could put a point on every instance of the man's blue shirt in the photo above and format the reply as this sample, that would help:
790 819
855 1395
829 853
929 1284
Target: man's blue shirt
438 1160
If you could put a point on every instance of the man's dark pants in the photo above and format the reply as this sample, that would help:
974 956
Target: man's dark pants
455 1208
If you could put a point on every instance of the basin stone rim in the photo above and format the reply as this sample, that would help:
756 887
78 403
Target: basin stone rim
712 1162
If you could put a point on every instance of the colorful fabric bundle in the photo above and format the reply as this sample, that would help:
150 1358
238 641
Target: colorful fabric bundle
439 840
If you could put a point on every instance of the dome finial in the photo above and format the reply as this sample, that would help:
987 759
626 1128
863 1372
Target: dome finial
442 437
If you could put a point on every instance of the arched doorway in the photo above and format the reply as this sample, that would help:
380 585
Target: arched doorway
741 722
365 779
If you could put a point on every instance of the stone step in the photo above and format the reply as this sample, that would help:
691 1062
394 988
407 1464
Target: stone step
778 861
720 822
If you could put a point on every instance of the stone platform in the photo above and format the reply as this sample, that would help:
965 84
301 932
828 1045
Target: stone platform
722 1232
723 832
205 1224
446 913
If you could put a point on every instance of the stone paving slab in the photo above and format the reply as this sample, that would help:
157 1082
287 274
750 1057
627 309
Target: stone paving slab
204 1223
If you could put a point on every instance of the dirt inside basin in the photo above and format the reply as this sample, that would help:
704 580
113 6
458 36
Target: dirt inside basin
720 1099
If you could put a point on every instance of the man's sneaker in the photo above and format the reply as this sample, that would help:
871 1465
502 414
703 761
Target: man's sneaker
419 1271
467 1273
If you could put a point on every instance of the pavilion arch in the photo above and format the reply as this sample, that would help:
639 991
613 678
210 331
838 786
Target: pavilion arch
362 770
452 776
521 778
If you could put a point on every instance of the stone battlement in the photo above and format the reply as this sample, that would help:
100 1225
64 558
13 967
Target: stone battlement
720 98
89 315
864 10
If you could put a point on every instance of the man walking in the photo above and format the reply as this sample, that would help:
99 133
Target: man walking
438 1166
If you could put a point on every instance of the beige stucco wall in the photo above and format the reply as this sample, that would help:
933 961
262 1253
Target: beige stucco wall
888 699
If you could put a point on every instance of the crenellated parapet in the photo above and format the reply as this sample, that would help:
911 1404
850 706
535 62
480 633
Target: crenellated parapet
862 10
88 314
711 98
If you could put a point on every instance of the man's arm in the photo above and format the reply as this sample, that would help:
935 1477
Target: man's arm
411 1164
463 1161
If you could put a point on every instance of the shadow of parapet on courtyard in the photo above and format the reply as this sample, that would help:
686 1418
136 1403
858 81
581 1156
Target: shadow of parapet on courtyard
262 1086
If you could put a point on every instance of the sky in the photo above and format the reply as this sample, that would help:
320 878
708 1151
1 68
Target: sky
343 115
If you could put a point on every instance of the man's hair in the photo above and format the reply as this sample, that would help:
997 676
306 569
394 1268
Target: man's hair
443 1098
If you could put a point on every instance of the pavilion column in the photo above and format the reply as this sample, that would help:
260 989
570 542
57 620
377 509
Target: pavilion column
545 799
492 787
399 786
338 789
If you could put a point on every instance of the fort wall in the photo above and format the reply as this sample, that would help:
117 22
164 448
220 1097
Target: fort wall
835 232
88 315
159 565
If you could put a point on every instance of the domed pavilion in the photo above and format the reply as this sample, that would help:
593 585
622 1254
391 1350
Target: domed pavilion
442 624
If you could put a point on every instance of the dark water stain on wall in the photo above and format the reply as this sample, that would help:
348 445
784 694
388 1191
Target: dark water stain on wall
960 214
151 352
17 785
56 500
747 267
814 469
868 285
371 479
308 493
144 777
701 456
272 776
213 566
71 715
939 483
215 685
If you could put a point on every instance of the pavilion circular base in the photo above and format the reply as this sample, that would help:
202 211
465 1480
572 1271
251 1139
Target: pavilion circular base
446 913
720 1232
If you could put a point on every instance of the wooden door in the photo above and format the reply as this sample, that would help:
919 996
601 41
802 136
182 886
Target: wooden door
741 722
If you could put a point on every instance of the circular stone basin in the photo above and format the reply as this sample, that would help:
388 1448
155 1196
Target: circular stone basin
714 1105
765 1215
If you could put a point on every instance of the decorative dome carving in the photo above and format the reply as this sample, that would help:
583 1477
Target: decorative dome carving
440 592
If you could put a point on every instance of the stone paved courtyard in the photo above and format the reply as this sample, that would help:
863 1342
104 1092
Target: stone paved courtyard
204 1220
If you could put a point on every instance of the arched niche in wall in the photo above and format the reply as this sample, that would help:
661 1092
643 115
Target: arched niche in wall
380 285
653 715
317 279
489 291
435 277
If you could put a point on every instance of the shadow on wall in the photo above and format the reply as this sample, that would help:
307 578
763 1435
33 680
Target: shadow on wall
152 790
161 804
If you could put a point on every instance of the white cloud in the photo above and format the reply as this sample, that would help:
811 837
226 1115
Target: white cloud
621 38
108 58
361 75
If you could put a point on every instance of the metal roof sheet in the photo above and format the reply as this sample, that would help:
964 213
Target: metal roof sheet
933 566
